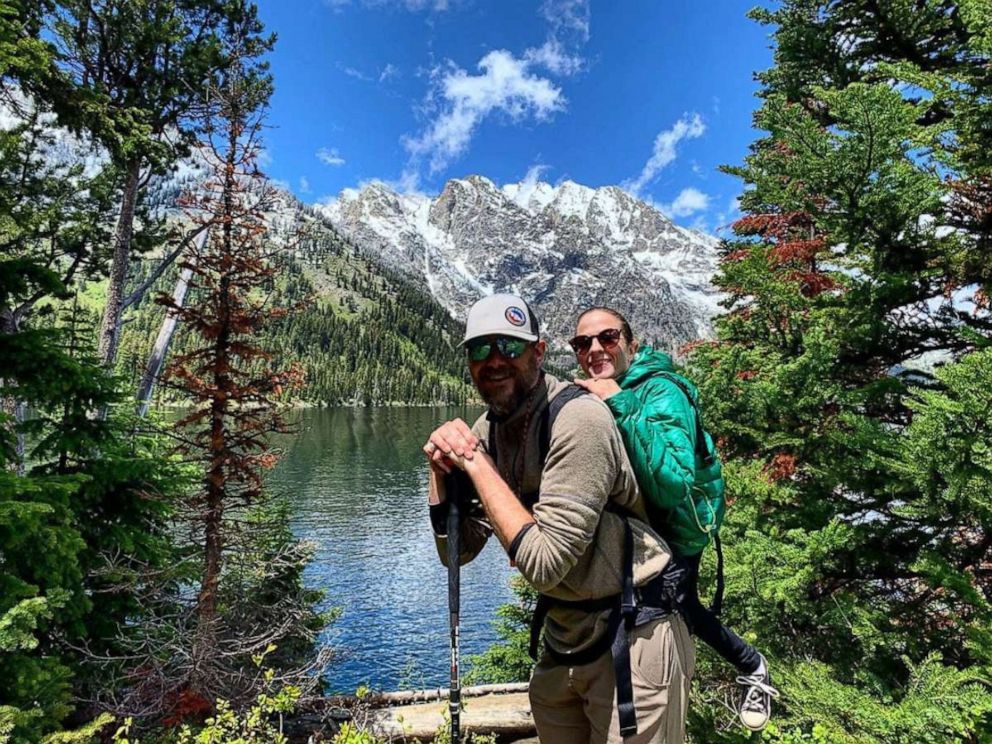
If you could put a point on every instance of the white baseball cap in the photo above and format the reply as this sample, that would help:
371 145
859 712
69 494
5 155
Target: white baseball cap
501 315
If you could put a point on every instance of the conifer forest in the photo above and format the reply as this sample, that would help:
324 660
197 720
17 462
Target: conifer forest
151 588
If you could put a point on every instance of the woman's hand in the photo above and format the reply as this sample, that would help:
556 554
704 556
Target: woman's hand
602 389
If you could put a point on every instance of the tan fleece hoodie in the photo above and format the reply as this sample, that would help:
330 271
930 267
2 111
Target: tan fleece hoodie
575 549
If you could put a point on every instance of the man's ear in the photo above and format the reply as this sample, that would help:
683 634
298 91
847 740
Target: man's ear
540 347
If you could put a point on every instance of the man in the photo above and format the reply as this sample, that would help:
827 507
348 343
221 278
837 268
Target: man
563 517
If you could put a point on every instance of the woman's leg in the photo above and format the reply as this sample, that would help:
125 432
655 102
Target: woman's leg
756 703
710 630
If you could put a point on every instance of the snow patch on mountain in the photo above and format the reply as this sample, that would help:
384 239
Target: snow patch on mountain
563 247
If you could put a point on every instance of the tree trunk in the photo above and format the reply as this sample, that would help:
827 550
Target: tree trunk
111 326
205 639
161 348
14 408
205 649
216 481
213 546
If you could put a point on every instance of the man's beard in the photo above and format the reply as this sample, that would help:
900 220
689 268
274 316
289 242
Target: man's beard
505 401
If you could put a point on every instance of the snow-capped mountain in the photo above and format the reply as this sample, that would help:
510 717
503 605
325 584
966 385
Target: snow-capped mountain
564 248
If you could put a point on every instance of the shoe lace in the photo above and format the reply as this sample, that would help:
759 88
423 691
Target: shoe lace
756 687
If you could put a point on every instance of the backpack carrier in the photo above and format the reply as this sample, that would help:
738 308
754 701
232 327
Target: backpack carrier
631 608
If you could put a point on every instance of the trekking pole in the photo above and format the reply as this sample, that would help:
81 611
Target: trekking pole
453 488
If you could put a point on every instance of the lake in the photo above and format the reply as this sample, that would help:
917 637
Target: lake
356 481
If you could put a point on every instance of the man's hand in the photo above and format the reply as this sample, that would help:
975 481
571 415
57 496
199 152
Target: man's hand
602 389
450 445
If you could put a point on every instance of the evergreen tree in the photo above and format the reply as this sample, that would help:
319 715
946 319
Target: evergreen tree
76 494
243 559
863 238
509 659
85 495
137 70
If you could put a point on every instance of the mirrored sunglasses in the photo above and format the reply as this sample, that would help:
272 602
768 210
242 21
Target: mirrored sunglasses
479 349
607 338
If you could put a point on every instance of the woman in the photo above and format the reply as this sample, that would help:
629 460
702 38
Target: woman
658 421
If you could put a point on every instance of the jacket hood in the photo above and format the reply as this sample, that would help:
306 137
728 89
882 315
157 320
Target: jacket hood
647 363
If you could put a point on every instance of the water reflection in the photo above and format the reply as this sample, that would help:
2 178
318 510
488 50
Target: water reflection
356 482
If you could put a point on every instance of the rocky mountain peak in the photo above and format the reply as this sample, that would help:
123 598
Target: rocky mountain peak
563 247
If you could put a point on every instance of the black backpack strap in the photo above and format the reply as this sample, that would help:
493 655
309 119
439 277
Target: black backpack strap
626 712
624 615
716 606
537 622
550 414
623 619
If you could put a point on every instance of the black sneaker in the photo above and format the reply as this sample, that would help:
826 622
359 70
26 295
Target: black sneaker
756 705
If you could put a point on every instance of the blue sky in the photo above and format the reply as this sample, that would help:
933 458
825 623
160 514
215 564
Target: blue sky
650 95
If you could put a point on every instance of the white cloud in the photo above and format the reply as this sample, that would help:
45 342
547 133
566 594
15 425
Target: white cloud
553 56
731 213
505 85
329 156
521 192
688 127
357 74
414 5
534 175
689 201
304 185
386 73
568 30
700 225
567 16
408 182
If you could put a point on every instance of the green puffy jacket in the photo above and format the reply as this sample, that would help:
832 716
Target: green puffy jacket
658 425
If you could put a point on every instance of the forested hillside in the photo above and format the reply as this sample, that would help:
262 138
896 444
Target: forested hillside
364 334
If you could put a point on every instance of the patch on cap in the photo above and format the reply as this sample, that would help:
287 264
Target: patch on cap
515 316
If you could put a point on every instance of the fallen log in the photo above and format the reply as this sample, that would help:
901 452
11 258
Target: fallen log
407 697
506 715
503 710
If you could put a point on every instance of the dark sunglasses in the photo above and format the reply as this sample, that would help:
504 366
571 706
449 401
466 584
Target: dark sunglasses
607 338
479 349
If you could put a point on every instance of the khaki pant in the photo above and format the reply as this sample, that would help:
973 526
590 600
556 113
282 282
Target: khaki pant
577 705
